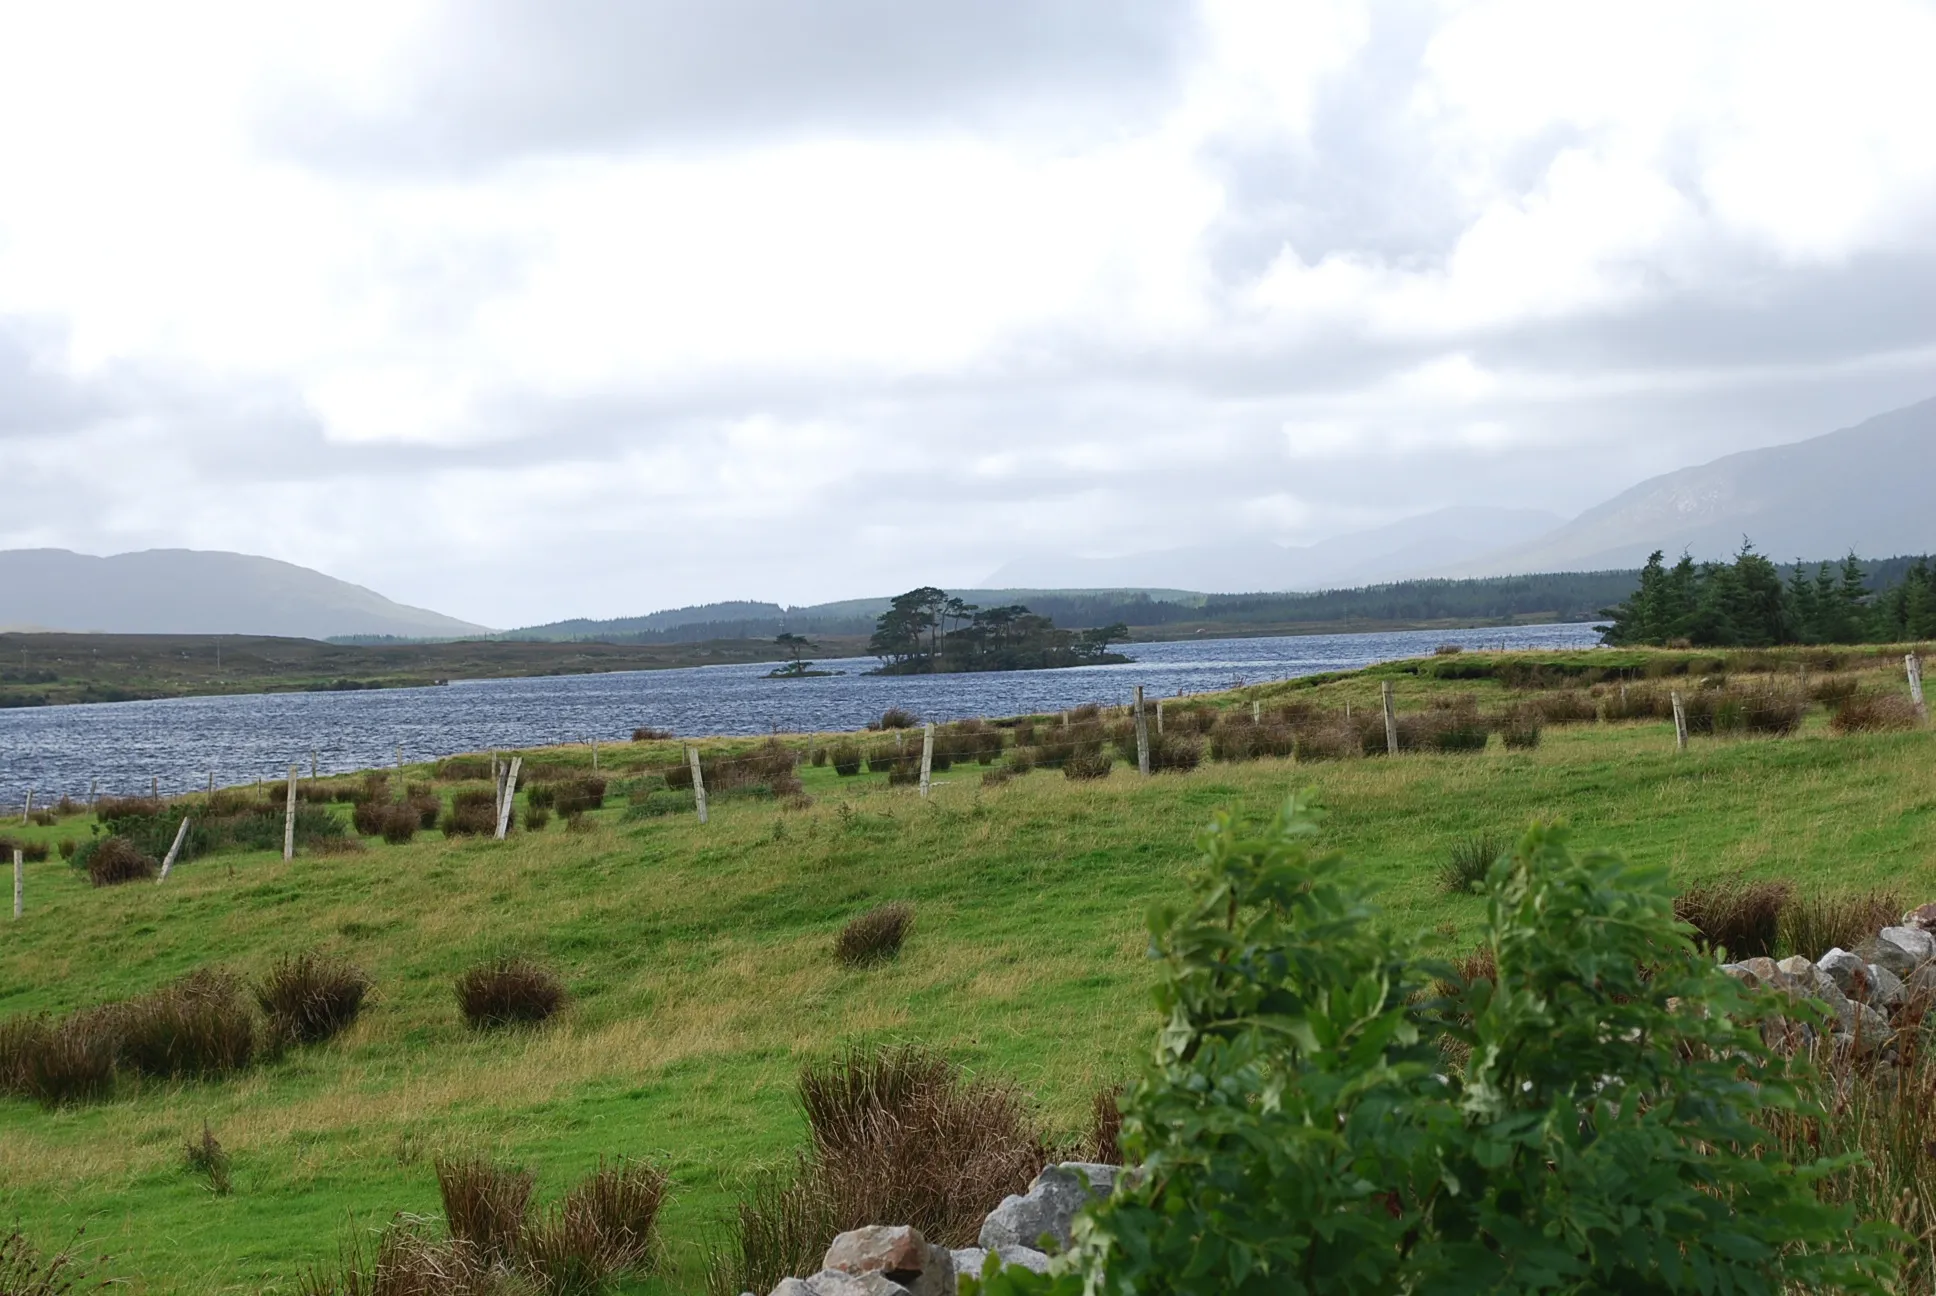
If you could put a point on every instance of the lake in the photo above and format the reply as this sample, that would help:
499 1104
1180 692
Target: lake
182 741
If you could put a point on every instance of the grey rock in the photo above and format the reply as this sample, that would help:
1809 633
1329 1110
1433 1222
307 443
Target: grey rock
1049 1206
1922 918
1914 941
1849 972
897 1253
833 1282
1863 1028
1888 991
968 1260
1759 972
1922 980
790 1287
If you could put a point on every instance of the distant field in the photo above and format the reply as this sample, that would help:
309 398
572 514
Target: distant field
45 669
698 957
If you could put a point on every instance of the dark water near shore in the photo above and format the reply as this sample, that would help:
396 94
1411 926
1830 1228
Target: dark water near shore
57 750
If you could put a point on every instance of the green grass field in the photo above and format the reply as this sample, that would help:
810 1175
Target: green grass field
698 960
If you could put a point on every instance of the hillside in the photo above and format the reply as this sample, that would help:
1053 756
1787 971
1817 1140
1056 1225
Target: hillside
1863 489
204 592
698 958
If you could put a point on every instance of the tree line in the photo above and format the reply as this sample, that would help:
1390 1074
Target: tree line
1751 602
928 630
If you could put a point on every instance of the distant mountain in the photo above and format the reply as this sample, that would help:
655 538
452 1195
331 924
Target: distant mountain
1865 488
192 591
1399 550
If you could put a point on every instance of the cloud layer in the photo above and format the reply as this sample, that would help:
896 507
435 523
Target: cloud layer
524 310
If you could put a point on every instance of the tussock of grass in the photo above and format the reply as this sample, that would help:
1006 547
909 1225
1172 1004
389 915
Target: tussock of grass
309 997
875 936
509 992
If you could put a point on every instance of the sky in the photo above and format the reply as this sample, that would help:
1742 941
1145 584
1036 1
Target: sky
531 309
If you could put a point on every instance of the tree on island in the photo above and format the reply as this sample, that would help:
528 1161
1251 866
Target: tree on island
928 630
796 647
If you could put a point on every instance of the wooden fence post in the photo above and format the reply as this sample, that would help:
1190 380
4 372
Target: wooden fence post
698 783
594 755
174 851
1159 717
1391 719
154 786
289 818
510 795
93 791
211 784
1680 722
927 756
314 766
400 791
27 812
1913 664
1142 733
19 883
1257 713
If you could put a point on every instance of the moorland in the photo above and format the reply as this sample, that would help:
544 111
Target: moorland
699 966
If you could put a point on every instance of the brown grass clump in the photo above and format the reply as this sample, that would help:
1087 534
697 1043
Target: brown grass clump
898 718
1087 765
31 852
1736 915
485 1204
25 1271
508 992
1875 713
110 807
409 1262
605 1226
846 758
875 936
474 814
1103 1144
206 1156
57 1062
200 1026
309 997
455 769
1814 924
116 860
646 733
396 822
1519 728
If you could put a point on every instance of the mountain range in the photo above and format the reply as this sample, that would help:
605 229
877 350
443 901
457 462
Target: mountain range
193 591
1863 489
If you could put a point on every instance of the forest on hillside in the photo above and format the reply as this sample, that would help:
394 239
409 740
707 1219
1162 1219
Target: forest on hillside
1751 602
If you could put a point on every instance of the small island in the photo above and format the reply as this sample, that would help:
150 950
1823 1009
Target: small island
796 647
927 631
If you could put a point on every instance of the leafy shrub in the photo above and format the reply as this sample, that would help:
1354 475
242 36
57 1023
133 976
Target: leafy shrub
1736 915
206 1156
1304 1123
110 861
508 992
875 936
1469 861
485 1204
474 814
1456 731
1875 713
1814 924
846 759
200 1026
310 997
898 718
1087 765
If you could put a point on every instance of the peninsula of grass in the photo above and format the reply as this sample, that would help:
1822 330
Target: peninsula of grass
697 965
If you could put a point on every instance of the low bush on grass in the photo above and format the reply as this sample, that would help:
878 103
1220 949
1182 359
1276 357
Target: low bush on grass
997 777
200 1026
1021 760
31 852
1736 915
1103 1143
56 1062
473 813
605 1226
1598 1138
1760 709
485 1204
396 822
310 997
208 1158
896 1134
646 733
577 795
1519 728
1814 924
535 818
1087 765
875 936
898 718
1470 859
111 861
508 992
1566 706
1875 713
846 759
460 769
665 801
68 847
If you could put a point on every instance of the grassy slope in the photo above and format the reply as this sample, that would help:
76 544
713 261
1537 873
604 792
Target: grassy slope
699 961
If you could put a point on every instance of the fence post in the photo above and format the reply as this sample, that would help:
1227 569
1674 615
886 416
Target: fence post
1914 665
510 795
1680 722
1257 713
289 818
27 813
927 756
594 755
211 783
19 882
1142 733
154 786
168 864
314 766
400 792
1159 717
1391 719
698 783
93 790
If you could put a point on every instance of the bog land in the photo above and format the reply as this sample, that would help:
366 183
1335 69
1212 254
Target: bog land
699 962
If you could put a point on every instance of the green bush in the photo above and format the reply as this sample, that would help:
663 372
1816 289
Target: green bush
1302 1131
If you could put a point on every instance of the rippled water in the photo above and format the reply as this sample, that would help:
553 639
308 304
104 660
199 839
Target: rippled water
182 741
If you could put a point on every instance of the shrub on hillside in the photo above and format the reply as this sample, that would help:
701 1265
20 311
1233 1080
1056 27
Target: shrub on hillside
474 814
1875 713
1735 915
646 733
460 769
396 822
535 818
31 852
508 992
58 1061
1087 765
110 861
818 759
309 997
1519 728
1601 1138
875 936
898 718
1021 760
577 795
200 1026
1466 865
1566 706
604 1226
846 759
1813 924
485 1204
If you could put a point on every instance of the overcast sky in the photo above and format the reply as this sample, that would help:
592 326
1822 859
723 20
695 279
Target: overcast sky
531 310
